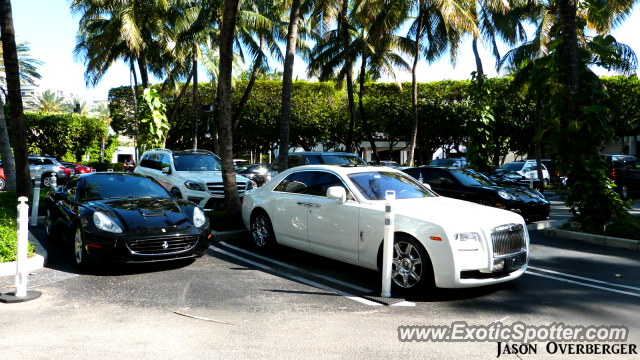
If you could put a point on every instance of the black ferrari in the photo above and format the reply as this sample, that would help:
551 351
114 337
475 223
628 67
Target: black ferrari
506 177
470 185
118 217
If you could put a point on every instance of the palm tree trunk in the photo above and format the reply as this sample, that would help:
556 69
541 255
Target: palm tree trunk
347 64
363 69
133 79
479 70
231 197
247 92
538 122
194 113
12 72
142 65
6 155
571 57
414 88
287 86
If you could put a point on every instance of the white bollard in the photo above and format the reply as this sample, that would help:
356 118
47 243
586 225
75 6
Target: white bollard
530 179
387 247
36 198
54 181
23 246
421 180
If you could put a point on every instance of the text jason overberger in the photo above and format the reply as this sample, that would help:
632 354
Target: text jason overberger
568 349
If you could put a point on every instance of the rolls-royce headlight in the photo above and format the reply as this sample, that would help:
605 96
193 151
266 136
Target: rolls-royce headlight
104 223
199 218
193 185
467 241
506 196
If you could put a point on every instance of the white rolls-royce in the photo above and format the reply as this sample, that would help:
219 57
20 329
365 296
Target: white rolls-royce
338 212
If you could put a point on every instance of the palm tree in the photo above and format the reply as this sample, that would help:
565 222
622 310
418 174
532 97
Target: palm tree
438 25
27 64
49 102
12 71
231 197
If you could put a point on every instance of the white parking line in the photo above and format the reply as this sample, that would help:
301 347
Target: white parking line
356 287
584 278
297 278
584 284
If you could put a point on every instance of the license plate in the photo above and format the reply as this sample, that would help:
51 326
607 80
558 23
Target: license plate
514 263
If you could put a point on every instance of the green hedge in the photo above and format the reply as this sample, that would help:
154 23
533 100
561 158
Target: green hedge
105 166
9 227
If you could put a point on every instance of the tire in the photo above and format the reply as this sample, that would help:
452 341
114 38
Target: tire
46 181
624 192
2 184
48 225
262 230
176 193
80 252
411 269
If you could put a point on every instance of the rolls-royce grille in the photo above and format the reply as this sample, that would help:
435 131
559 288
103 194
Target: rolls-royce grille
218 188
162 246
508 239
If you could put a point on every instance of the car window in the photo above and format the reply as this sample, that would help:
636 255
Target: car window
342 159
414 173
48 162
471 178
36 162
312 160
297 183
374 185
145 161
326 180
295 160
512 166
70 188
119 186
166 161
196 162
437 176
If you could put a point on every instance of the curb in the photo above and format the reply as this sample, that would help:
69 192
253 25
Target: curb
33 263
219 236
594 239
546 224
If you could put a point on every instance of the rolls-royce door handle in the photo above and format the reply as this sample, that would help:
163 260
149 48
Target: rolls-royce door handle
303 203
314 205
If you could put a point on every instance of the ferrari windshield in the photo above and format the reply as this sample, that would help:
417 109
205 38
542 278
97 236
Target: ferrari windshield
120 186
196 162
374 185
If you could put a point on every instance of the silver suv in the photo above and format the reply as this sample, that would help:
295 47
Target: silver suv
48 166
194 175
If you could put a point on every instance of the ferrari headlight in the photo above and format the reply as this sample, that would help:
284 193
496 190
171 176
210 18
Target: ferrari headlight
249 185
467 241
104 223
505 195
199 218
193 185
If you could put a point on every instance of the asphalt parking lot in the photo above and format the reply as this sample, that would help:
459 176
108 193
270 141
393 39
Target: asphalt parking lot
290 304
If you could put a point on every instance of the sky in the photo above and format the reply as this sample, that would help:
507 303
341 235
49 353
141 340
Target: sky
51 29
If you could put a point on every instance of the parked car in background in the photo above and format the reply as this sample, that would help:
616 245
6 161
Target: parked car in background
458 162
338 212
193 175
527 169
3 183
317 158
506 177
254 172
75 168
623 170
387 163
123 217
470 185
48 166
240 162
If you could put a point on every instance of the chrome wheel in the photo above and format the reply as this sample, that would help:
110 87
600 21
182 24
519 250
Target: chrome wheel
78 247
260 229
47 223
46 182
406 269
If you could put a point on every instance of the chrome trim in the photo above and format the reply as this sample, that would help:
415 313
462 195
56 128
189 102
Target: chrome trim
508 240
